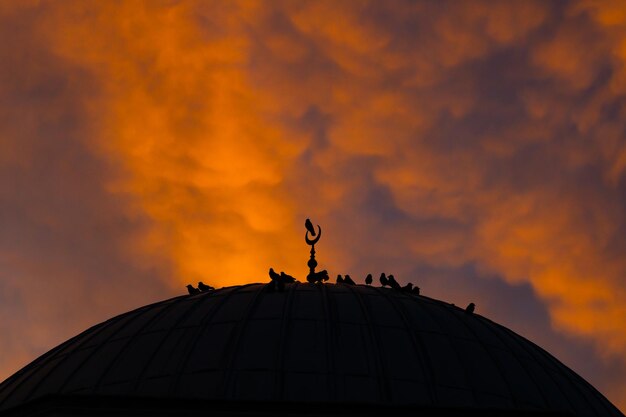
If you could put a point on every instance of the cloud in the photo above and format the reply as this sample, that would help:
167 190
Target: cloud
151 144
65 244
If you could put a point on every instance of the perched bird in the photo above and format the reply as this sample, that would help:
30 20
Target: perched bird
192 290
273 275
383 280
278 280
286 277
204 288
309 227
368 279
408 287
339 279
348 280
318 276
393 283
470 308
416 290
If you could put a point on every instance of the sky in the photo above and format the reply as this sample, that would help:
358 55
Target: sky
475 148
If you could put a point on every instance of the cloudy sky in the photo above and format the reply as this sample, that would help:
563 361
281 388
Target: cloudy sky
476 148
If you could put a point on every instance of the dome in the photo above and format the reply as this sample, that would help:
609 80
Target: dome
332 347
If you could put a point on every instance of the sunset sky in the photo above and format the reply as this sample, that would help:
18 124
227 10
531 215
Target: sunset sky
475 148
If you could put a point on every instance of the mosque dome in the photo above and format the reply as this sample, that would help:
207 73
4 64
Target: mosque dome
315 349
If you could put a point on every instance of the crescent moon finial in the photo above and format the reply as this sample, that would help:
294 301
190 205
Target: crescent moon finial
313 277
312 242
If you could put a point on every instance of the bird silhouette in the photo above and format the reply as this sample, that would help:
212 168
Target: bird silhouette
348 280
416 290
273 275
383 280
204 288
339 279
408 287
309 227
393 283
368 279
317 276
192 290
470 308
286 277
278 280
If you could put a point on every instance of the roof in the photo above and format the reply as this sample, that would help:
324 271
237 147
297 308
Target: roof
322 343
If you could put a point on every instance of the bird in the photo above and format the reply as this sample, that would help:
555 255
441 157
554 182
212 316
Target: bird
319 276
393 283
286 277
273 275
339 279
309 227
348 280
416 290
368 279
324 274
470 308
408 287
204 288
192 290
383 280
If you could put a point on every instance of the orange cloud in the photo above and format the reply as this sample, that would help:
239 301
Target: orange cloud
486 134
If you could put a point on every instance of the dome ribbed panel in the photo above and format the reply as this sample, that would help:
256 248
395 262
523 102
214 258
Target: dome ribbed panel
314 343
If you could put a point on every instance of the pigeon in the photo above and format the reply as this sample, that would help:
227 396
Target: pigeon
317 276
348 280
470 308
204 288
408 287
286 277
393 283
192 290
339 279
416 290
273 275
368 279
383 280
309 227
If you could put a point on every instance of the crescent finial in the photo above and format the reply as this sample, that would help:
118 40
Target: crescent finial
313 241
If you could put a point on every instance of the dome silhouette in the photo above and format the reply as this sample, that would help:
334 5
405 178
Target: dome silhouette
320 349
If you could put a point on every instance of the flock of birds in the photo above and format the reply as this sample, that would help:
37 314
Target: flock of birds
278 282
390 281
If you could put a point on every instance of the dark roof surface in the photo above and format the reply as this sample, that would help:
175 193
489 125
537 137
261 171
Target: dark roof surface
312 343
